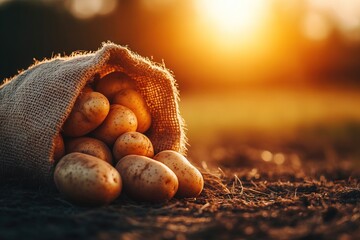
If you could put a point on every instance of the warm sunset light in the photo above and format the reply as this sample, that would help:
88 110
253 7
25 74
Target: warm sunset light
315 26
344 13
85 9
180 119
232 17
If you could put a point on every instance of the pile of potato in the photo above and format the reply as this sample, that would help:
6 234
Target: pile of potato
106 128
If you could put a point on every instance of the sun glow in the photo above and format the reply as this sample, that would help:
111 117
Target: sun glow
233 16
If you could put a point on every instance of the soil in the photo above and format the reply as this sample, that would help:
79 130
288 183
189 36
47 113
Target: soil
288 192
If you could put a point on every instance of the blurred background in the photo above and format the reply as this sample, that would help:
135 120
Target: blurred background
265 74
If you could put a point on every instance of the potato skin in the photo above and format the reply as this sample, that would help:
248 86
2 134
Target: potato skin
89 111
145 179
119 120
132 143
191 181
112 83
136 103
59 150
86 180
90 146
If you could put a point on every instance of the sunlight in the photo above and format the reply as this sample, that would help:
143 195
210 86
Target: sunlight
155 5
279 158
315 26
4 1
346 13
266 156
232 16
85 9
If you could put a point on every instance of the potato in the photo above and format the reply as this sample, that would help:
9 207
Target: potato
191 181
59 148
87 180
136 103
112 83
145 179
89 111
119 120
90 146
132 143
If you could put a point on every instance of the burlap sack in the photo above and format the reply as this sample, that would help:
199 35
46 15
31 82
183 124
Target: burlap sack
35 104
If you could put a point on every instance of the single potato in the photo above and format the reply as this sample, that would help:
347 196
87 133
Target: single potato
87 180
191 181
132 143
90 146
119 120
145 179
89 111
111 84
136 103
59 149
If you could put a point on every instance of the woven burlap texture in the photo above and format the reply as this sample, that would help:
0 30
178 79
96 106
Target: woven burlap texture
35 104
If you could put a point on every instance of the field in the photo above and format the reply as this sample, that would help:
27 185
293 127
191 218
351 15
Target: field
280 164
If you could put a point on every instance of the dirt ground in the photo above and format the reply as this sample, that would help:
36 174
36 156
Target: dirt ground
289 191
